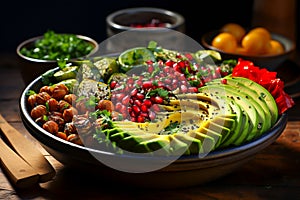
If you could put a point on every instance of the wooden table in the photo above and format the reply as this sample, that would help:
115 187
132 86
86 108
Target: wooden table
274 173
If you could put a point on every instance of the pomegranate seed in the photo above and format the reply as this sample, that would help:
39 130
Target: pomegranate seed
113 84
155 108
130 81
140 96
140 119
144 114
147 103
133 119
192 89
118 106
224 81
168 81
147 84
125 100
134 92
183 89
182 77
169 63
218 70
152 99
136 109
181 64
139 82
159 100
132 114
166 69
137 103
176 67
150 68
144 108
120 96
152 115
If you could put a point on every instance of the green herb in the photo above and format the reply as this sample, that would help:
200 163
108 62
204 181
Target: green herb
30 92
55 46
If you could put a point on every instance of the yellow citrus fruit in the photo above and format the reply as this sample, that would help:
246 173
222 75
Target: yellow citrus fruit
276 48
255 43
263 32
225 42
235 29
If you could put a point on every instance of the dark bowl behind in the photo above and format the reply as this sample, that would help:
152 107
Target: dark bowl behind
271 62
185 171
121 20
31 68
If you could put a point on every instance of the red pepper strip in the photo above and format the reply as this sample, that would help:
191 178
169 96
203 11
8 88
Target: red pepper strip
267 79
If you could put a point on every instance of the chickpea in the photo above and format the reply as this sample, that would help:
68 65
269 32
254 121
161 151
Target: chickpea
59 91
74 138
52 104
32 100
69 113
51 127
80 106
70 128
70 98
58 120
62 105
82 124
46 88
42 98
105 105
38 111
41 120
62 135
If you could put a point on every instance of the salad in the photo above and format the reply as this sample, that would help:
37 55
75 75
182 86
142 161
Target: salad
159 101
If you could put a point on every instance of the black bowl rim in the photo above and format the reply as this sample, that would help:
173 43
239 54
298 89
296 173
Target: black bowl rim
110 18
33 39
205 43
273 133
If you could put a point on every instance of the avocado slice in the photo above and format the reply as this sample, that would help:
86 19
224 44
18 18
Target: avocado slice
244 103
194 144
68 72
159 146
255 94
239 125
128 143
208 142
262 96
264 122
178 147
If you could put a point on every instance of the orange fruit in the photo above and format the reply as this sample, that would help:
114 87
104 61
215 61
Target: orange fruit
255 43
235 29
263 32
225 42
276 48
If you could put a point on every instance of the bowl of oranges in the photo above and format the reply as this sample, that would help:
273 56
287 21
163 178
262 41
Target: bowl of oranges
258 44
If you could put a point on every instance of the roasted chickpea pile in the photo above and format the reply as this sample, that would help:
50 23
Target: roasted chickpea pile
62 113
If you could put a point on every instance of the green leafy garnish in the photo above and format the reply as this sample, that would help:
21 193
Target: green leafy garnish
55 46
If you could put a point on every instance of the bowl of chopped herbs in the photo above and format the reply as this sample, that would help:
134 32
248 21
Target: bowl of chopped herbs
41 53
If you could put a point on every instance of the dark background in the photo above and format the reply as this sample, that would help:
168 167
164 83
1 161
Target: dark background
21 20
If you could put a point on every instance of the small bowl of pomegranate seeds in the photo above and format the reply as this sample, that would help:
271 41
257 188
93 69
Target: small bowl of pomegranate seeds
143 17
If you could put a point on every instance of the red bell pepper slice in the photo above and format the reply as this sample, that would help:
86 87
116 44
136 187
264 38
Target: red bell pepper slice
268 79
